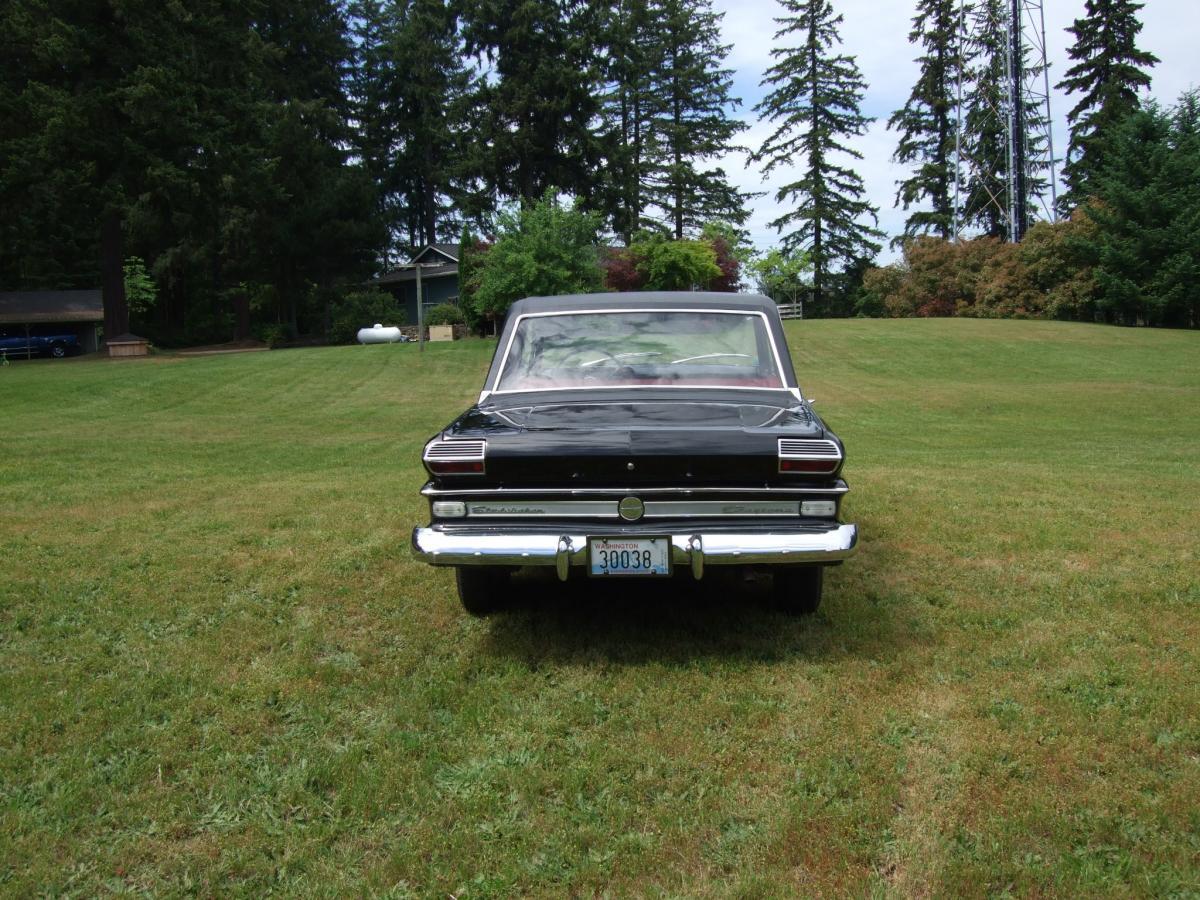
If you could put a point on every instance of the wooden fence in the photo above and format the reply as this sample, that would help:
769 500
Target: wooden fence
791 310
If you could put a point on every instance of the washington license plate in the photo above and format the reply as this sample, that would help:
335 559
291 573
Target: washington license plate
629 556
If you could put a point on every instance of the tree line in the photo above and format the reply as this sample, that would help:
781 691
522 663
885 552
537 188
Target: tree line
265 157
1126 244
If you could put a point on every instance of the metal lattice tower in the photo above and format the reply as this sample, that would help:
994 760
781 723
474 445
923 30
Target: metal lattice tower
1016 183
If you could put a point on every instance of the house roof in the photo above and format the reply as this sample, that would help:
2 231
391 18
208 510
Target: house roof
449 270
450 250
32 307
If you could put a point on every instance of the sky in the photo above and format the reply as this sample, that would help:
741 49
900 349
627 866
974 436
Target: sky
876 31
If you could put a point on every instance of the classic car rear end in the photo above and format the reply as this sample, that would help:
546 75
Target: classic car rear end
637 435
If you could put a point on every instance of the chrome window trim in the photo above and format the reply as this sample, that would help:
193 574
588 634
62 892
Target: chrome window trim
641 490
493 388
503 414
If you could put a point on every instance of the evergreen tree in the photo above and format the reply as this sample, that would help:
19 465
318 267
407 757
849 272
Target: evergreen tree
628 107
540 99
691 123
1146 248
1109 71
411 91
814 105
928 121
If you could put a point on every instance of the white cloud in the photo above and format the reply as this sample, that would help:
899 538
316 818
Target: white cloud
877 34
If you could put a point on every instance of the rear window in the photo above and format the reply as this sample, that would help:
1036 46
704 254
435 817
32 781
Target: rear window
682 348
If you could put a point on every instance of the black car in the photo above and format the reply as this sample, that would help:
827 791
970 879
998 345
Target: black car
634 436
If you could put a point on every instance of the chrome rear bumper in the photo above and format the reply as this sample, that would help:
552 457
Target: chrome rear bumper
514 547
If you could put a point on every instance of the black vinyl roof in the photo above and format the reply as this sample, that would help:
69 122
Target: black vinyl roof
634 299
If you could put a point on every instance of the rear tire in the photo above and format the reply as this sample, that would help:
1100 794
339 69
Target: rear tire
482 590
798 589
58 351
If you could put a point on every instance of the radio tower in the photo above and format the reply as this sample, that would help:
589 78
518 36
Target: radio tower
1021 111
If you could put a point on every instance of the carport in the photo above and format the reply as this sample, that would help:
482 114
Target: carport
70 312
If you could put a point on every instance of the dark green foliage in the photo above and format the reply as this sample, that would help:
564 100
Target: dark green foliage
1109 71
471 255
628 106
691 123
927 123
814 106
362 309
412 96
209 135
542 249
1146 205
533 126
666 114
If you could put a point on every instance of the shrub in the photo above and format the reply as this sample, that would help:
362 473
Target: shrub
544 249
445 314
362 309
670 265
273 335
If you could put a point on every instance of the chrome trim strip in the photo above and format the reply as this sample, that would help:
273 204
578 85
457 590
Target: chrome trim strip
716 509
550 509
783 385
711 548
430 491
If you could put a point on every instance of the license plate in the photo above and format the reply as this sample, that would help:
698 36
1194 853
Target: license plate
629 556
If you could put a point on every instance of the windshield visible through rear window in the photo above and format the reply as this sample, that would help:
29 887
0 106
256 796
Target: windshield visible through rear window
629 348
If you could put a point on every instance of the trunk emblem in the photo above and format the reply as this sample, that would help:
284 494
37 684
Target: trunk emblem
631 509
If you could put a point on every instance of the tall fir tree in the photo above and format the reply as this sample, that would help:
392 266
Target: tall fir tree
692 122
928 121
1109 71
1146 248
414 94
814 107
628 107
540 99
984 141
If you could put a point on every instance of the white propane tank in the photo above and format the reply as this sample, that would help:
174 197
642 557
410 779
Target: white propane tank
380 335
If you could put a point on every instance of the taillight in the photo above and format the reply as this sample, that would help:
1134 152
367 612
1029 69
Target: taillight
455 457
815 466
809 457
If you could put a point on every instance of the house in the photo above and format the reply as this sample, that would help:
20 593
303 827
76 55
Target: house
61 312
439 280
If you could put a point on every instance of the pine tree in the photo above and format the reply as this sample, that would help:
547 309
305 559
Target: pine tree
627 109
539 101
411 91
1109 71
692 123
984 141
928 123
814 105
1146 247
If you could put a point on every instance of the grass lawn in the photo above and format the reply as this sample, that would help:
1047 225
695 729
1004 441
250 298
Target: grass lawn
222 671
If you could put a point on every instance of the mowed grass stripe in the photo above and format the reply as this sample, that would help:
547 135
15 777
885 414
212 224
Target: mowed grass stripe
223 672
